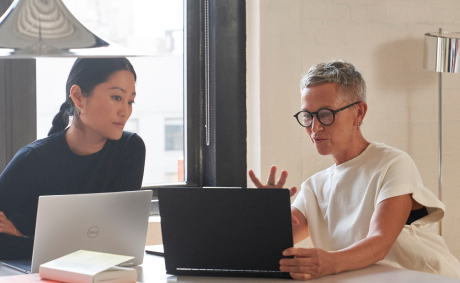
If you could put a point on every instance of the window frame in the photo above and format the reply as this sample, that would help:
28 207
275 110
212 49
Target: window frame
222 162
225 159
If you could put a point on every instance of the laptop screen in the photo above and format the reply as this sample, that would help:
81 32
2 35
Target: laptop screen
223 231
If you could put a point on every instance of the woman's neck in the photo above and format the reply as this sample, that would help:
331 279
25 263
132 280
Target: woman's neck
354 149
83 142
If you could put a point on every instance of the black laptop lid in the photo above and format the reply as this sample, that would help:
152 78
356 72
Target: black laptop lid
233 232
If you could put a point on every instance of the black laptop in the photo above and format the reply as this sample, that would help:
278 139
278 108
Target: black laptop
225 232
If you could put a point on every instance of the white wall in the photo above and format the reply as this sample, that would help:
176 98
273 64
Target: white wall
385 40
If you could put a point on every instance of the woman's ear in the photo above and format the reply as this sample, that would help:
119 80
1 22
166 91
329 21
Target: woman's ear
76 96
362 110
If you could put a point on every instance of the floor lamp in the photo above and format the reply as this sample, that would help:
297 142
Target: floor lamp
441 54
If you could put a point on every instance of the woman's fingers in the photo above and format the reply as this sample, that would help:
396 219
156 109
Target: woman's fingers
271 181
7 226
300 276
272 176
292 191
307 263
282 179
254 179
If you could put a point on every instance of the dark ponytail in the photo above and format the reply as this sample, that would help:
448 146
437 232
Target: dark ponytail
87 73
61 120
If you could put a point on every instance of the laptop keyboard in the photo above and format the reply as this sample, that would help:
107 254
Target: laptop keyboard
23 265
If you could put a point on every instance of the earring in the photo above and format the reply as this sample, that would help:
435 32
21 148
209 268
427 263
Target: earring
79 111
360 123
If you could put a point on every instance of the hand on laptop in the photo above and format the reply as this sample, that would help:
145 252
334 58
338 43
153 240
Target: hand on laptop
272 184
7 227
307 263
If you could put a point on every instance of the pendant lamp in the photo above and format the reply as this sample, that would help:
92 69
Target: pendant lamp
46 28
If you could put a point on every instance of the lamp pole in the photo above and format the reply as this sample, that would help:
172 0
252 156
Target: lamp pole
440 131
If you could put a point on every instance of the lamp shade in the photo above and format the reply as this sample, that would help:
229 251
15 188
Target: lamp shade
46 28
441 52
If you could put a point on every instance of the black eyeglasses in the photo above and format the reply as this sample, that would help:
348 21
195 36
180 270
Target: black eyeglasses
325 116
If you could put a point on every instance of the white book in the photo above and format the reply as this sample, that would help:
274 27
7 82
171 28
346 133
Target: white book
88 267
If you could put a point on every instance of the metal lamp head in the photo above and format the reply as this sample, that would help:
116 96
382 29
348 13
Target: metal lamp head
46 28
441 53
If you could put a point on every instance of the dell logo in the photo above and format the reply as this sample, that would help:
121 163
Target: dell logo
93 232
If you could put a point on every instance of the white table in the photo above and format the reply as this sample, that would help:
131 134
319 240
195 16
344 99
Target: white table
153 271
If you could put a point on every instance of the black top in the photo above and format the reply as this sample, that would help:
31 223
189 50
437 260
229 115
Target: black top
416 215
49 167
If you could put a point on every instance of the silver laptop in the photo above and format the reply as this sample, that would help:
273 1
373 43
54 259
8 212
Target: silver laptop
105 222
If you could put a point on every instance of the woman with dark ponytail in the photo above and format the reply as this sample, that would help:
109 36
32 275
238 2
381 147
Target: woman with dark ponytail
93 154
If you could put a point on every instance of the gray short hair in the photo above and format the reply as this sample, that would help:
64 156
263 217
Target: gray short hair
352 86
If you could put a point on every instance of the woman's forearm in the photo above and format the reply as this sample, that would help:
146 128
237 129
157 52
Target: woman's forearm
361 254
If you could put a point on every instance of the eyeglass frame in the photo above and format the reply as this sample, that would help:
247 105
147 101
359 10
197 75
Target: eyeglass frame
317 117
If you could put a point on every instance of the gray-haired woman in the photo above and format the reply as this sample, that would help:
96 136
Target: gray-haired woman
371 205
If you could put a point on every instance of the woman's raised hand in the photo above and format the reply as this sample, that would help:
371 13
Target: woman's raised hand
273 184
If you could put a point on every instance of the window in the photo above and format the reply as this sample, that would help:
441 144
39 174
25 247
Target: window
212 87
174 140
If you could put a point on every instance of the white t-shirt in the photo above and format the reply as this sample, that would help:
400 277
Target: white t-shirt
338 204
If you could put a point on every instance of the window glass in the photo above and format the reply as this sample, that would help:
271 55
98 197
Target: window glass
173 135
153 26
